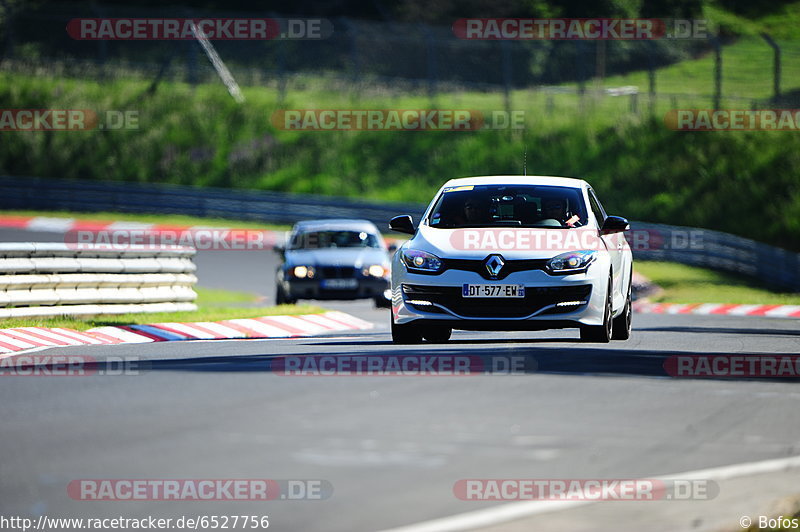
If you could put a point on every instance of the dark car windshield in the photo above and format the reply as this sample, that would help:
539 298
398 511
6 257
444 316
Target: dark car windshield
334 239
509 205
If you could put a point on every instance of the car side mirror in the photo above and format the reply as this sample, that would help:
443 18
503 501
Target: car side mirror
615 224
392 247
279 249
402 224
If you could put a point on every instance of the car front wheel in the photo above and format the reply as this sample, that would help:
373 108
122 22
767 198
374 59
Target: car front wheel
408 333
437 334
382 302
622 324
601 333
281 298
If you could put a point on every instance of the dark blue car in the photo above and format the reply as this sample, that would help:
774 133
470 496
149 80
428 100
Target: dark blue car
334 259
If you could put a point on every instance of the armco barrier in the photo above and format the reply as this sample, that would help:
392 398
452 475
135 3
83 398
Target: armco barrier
54 279
776 267
71 195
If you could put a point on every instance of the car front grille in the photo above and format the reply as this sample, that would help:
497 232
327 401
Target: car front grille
536 298
337 272
479 266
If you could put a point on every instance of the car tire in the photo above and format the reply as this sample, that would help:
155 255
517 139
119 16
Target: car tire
622 323
601 334
436 334
408 333
281 298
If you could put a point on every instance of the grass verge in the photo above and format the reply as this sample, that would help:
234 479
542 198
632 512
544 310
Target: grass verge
689 284
212 305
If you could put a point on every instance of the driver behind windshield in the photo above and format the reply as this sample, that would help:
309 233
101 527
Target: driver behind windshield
474 212
556 209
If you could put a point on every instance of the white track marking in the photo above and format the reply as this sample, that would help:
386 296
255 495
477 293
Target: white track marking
517 510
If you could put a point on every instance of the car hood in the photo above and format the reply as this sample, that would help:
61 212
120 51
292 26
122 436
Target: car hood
356 257
511 242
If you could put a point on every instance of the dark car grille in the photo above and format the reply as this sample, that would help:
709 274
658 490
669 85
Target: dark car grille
479 266
535 299
337 272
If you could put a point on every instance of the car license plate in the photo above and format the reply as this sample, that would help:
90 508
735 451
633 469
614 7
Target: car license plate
493 290
340 284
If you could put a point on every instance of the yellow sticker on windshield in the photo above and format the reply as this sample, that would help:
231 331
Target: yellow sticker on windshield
458 189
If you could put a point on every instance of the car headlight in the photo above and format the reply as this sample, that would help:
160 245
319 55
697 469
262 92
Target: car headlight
301 272
376 270
571 262
421 261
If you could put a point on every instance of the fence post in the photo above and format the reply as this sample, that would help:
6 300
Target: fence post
580 48
432 67
280 67
9 26
651 76
717 72
776 66
355 66
505 48
102 45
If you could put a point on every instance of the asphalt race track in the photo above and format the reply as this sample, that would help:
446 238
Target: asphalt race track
392 448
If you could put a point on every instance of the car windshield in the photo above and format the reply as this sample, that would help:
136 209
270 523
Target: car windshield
509 205
334 239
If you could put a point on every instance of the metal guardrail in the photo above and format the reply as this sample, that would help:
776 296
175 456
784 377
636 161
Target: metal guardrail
776 267
773 266
55 279
268 207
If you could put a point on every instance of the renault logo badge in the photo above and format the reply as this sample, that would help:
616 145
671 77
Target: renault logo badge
494 263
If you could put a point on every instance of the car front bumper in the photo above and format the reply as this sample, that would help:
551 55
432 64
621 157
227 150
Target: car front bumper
547 303
367 288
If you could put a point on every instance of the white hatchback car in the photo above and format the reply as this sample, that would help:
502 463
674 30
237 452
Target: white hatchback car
512 253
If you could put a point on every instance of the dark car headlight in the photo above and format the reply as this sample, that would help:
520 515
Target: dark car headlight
571 262
421 261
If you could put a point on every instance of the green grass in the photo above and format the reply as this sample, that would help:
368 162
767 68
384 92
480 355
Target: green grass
689 284
213 305
746 75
